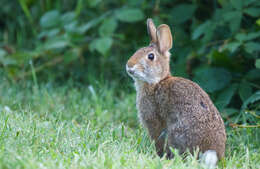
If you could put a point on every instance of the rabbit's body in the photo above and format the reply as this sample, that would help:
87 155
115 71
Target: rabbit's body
174 105
186 112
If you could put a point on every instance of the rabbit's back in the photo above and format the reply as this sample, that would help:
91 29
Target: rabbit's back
191 117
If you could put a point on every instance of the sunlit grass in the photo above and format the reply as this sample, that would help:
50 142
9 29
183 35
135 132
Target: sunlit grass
91 127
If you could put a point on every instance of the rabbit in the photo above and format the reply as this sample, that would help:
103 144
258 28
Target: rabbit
174 105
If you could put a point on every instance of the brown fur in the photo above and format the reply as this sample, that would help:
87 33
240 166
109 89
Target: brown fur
176 104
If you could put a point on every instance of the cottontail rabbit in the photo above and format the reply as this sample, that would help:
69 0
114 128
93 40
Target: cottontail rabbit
174 105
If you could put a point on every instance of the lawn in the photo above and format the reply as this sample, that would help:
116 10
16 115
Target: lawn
92 126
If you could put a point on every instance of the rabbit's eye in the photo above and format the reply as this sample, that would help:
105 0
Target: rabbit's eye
151 56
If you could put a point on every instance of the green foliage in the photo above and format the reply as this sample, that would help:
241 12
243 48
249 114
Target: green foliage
253 99
129 15
177 13
212 79
216 43
225 96
257 63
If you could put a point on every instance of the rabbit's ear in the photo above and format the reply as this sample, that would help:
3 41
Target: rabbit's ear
151 30
164 38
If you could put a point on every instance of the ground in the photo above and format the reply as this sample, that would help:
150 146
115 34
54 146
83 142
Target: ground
92 126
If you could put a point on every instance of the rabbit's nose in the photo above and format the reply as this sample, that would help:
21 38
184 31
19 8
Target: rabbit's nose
129 69
130 63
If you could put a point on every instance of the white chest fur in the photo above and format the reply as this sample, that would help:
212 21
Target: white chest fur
145 102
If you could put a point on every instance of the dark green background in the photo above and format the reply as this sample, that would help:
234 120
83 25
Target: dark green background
216 44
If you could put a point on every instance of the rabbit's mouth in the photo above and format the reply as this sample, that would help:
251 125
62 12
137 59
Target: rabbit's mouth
135 74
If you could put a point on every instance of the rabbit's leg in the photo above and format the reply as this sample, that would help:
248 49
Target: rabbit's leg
156 128
176 140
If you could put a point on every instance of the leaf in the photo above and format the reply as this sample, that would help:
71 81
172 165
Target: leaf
50 19
251 47
93 3
234 18
253 74
200 30
232 47
257 63
219 58
230 15
178 11
102 45
84 28
246 37
225 96
237 4
254 12
258 22
2 52
230 111
108 27
68 17
241 37
129 15
253 35
234 24
212 79
209 33
252 99
249 2
49 33
55 44
73 27
245 90
223 3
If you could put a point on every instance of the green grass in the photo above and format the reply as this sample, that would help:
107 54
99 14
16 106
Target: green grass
91 127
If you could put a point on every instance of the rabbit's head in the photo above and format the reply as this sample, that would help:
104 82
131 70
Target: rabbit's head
151 64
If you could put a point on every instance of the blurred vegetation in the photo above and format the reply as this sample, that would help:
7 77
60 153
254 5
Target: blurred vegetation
216 44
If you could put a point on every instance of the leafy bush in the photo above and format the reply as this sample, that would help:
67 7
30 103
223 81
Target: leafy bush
216 43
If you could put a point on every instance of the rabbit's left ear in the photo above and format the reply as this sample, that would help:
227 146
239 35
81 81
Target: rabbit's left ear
164 38
151 30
